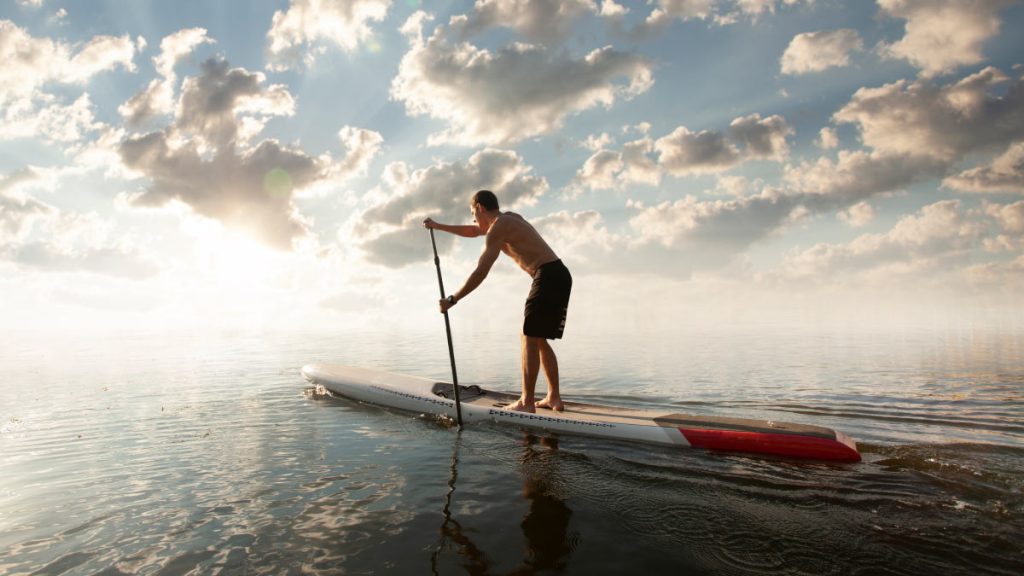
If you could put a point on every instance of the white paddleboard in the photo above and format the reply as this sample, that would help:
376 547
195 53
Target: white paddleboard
655 427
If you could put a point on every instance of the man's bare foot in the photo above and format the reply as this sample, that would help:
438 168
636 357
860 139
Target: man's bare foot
521 406
552 403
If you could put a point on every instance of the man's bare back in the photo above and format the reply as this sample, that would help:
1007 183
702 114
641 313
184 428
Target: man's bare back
521 242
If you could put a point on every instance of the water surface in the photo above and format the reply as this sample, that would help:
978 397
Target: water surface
153 454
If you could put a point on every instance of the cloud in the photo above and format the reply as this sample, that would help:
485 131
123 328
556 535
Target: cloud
1004 174
899 123
118 262
391 232
53 121
818 51
544 21
212 104
205 162
827 139
684 153
938 237
942 121
361 148
722 12
857 175
70 242
761 138
18 211
669 10
28 65
251 191
344 23
858 215
942 35
517 92
704 230
1009 220
158 98
581 238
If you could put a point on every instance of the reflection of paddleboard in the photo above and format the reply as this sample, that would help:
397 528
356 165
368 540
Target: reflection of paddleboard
711 432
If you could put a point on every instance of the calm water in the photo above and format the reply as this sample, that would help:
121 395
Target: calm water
154 455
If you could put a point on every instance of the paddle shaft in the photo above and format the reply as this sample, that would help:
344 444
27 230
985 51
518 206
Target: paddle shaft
448 330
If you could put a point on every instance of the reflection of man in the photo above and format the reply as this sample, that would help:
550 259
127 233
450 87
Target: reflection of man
548 302
546 525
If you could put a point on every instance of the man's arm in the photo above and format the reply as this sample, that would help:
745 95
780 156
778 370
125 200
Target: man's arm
492 249
464 230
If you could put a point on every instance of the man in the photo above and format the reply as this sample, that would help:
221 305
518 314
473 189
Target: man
547 303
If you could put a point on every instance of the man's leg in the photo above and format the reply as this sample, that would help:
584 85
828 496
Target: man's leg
550 363
531 366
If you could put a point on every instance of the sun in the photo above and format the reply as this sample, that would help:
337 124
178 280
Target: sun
231 261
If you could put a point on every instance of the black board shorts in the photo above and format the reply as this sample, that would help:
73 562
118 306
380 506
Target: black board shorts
548 302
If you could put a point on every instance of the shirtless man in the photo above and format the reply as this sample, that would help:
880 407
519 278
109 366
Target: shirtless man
548 302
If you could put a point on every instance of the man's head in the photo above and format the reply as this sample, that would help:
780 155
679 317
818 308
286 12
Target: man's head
486 199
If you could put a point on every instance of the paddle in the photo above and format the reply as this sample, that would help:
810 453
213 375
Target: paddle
448 329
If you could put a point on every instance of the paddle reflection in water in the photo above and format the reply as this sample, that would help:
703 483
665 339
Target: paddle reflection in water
549 543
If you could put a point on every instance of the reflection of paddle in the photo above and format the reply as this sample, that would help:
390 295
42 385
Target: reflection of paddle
448 329
452 530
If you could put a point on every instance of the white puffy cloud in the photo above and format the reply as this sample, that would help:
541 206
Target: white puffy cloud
936 238
611 9
40 236
1009 220
28 65
1010 217
600 170
203 161
82 243
158 98
1004 174
722 12
306 23
827 139
212 103
858 175
54 121
361 147
945 122
391 232
683 153
761 138
580 237
858 215
818 51
942 35
100 54
18 210
669 10
544 21
517 92
251 191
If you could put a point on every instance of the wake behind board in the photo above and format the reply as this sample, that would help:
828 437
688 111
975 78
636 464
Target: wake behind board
710 432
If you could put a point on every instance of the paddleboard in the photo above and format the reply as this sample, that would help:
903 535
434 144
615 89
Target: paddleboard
654 427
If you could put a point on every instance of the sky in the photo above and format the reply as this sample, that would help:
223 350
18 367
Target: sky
267 165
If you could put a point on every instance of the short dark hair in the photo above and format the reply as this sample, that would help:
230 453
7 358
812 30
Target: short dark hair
487 199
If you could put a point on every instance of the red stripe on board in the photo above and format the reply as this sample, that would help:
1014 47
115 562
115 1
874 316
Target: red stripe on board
791 445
